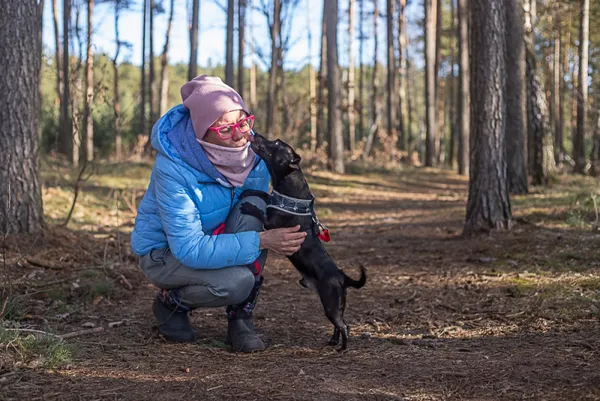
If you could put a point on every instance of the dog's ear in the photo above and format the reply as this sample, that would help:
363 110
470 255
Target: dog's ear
295 163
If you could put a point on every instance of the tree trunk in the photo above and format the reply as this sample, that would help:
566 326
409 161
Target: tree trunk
563 87
229 44
374 88
557 87
20 189
116 94
143 74
464 103
453 85
488 205
241 27
391 68
40 51
333 88
89 87
77 94
321 126
312 85
272 95
582 88
65 144
351 111
193 63
361 72
58 59
516 111
439 90
153 96
430 81
401 73
595 155
530 9
164 65
409 105
253 66
538 125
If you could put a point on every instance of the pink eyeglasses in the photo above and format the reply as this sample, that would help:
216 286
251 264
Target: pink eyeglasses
227 131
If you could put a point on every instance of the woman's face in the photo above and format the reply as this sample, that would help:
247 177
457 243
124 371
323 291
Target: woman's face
238 139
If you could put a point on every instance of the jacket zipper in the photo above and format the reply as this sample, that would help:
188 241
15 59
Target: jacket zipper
232 197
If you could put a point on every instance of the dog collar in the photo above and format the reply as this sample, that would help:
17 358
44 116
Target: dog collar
287 204
299 207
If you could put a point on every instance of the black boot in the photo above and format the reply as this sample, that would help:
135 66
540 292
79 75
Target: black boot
172 316
241 333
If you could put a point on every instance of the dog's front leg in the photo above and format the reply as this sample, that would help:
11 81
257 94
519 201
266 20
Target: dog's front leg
250 209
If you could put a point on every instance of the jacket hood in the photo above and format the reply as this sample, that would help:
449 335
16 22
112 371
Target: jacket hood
173 136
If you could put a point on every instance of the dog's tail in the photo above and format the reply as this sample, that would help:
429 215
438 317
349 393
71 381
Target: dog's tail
349 282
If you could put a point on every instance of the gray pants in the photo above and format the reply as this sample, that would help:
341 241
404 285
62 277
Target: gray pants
207 288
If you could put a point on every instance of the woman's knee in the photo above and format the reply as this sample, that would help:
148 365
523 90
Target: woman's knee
236 289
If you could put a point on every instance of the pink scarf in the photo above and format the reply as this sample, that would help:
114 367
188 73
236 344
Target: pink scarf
234 163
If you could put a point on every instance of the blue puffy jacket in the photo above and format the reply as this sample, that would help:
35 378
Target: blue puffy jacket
187 199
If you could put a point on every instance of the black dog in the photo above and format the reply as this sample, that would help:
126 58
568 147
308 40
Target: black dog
291 204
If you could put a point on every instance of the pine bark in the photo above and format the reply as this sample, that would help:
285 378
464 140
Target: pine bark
193 63
361 68
65 144
556 89
351 80
375 115
58 54
164 64
89 88
401 74
143 74
516 110
541 149
464 102
334 89
488 205
312 85
321 121
116 89
273 72
430 82
582 88
391 66
241 46
229 44
153 96
20 189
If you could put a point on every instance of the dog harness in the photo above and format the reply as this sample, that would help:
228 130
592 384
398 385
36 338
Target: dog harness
299 207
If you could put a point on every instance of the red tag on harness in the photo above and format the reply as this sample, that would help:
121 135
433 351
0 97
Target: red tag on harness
219 230
257 270
324 236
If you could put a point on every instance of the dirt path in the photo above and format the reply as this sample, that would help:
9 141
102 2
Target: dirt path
511 316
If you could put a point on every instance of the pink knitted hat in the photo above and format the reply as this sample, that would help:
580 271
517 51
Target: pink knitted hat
208 98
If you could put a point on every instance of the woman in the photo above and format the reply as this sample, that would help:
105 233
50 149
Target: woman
193 241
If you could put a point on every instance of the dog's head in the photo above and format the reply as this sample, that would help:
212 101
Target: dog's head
278 155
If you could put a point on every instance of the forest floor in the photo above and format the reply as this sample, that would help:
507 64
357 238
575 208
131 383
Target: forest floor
508 316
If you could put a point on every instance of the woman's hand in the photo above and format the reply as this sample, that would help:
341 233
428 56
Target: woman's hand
285 241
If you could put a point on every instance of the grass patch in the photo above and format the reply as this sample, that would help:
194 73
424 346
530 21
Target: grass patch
591 283
34 350
13 310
